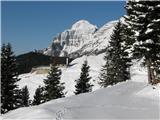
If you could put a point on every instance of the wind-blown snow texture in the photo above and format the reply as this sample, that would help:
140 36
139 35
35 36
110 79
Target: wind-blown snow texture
82 38
132 99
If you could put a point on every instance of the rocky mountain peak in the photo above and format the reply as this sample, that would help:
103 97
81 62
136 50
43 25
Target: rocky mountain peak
84 25
83 38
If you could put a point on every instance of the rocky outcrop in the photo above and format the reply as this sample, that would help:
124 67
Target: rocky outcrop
82 38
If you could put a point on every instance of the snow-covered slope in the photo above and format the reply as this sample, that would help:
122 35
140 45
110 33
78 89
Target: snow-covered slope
133 99
69 74
82 38
32 80
127 100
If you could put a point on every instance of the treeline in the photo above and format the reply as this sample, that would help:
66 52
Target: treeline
27 61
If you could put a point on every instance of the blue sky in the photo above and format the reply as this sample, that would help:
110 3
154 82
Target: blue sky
32 25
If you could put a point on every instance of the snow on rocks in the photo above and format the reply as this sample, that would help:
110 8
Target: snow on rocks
82 38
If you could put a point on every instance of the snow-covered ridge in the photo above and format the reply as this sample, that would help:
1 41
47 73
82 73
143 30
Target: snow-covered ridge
82 38
127 100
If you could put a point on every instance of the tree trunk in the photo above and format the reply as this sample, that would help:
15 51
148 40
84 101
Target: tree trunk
149 71
152 75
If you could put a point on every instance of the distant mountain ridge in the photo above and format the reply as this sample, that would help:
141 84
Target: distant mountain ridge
83 38
27 61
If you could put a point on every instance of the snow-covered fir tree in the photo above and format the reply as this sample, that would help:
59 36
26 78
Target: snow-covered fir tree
83 83
25 96
38 97
116 68
127 38
143 18
10 94
153 33
53 88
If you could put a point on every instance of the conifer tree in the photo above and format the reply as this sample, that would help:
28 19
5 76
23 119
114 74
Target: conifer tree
10 94
153 35
107 74
144 21
82 84
25 96
127 38
53 89
117 59
38 97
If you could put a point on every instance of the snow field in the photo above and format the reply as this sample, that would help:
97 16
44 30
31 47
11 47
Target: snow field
133 99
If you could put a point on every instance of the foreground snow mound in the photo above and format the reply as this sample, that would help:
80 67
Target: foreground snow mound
133 99
127 100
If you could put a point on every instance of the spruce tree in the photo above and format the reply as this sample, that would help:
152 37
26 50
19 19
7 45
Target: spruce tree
53 89
107 74
128 39
25 96
117 59
143 19
153 32
38 97
82 84
10 94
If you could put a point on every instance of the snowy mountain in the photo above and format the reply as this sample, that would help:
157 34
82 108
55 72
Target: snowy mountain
82 38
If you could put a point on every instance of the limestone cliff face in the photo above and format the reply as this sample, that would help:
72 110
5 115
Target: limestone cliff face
81 39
